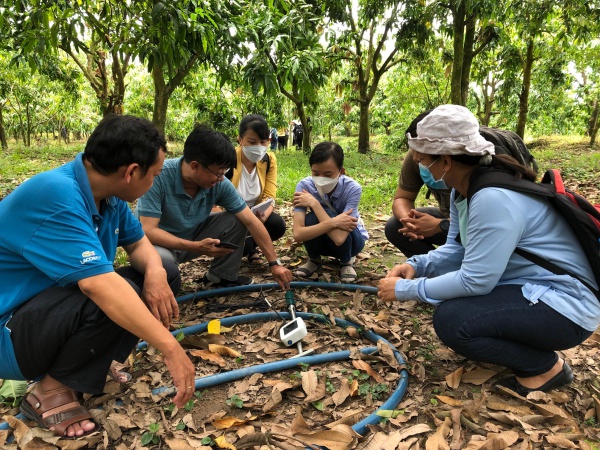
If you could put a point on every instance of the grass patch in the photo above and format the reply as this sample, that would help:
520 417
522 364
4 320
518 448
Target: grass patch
377 172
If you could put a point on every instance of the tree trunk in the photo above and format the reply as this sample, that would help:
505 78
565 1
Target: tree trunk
3 139
594 124
28 115
489 98
163 90
305 127
161 99
458 24
364 145
524 95
465 75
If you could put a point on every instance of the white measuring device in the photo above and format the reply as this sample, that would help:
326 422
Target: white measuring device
292 331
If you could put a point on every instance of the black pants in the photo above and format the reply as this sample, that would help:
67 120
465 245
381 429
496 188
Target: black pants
274 224
418 246
62 333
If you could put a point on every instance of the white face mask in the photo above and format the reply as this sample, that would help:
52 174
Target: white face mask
254 152
325 184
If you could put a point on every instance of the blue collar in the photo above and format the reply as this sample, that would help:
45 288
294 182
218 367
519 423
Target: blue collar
83 181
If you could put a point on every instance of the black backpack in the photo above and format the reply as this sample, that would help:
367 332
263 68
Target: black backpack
509 143
581 215
229 174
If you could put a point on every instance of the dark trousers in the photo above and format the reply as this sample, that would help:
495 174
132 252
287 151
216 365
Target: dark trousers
416 247
274 224
503 328
62 333
282 142
324 246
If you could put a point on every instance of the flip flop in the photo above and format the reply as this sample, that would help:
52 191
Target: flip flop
59 399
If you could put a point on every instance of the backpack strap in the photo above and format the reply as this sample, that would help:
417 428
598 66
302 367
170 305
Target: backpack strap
552 267
488 177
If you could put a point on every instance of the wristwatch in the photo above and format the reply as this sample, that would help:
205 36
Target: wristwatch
277 262
445 225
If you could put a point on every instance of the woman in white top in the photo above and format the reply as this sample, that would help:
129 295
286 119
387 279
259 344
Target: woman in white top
255 178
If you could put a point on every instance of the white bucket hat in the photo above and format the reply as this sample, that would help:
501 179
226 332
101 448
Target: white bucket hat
450 130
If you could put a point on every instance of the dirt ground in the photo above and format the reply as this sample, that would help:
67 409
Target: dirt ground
449 403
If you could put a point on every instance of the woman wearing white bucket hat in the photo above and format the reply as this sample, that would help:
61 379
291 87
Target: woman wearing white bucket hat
492 304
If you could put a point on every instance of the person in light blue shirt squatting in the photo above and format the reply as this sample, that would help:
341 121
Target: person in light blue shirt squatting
65 312
176 213
494 305
333 226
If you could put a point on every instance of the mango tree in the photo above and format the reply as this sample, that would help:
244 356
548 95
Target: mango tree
371 35
286 55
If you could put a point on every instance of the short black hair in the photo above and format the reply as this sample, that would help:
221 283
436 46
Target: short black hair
209 147
122 140
256 123
326 150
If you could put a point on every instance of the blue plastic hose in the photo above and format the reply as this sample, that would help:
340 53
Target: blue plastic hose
265 286
225 377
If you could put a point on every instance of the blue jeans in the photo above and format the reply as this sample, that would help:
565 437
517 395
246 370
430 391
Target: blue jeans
503 328
324 246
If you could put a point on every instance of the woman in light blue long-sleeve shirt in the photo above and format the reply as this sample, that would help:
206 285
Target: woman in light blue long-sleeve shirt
492 304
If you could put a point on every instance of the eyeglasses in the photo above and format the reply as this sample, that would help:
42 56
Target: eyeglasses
218 175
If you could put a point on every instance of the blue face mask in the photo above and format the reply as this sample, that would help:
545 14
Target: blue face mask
428 179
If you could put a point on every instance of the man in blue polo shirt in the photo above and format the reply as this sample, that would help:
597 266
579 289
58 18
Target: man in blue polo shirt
65 313
176 212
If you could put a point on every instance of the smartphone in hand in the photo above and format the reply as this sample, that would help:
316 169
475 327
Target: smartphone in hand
227 245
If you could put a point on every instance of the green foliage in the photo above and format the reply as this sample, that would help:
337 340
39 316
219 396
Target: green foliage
319 405
11 391
377 390
235 401
150 436
207 441
590 422
329 387
304 366
189 405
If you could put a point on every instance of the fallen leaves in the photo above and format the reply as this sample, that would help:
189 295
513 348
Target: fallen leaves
223 350
314 389
448 405
363 365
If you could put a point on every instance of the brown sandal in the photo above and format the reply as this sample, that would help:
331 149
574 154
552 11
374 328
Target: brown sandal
33 408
